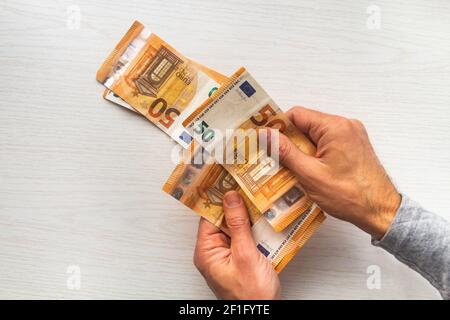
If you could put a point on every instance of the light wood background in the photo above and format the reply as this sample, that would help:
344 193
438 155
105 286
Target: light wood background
80 178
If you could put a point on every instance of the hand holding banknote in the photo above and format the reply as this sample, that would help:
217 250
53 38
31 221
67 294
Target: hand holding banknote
232 266
345 177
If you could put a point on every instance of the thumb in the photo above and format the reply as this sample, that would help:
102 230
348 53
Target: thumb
300 163
238 222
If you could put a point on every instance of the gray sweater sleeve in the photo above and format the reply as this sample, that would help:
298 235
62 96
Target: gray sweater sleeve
421 240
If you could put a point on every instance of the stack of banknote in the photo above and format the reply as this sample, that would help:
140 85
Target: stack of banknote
192 103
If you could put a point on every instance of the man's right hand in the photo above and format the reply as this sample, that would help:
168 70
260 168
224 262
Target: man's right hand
345 177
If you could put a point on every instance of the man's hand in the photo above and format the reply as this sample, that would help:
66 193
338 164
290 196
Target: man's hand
233 267
345 177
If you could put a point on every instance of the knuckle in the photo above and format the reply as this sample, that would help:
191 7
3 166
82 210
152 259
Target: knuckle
296 109
356 122
300 108
343 123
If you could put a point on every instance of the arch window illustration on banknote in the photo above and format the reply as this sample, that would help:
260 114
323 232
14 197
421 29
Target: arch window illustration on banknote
162 66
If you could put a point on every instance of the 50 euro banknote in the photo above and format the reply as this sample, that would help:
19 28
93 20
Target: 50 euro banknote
242 104
148 74
201 186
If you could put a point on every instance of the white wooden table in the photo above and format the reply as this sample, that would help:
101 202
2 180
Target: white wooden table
80 178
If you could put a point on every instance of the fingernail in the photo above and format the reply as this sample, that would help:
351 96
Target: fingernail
232 199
